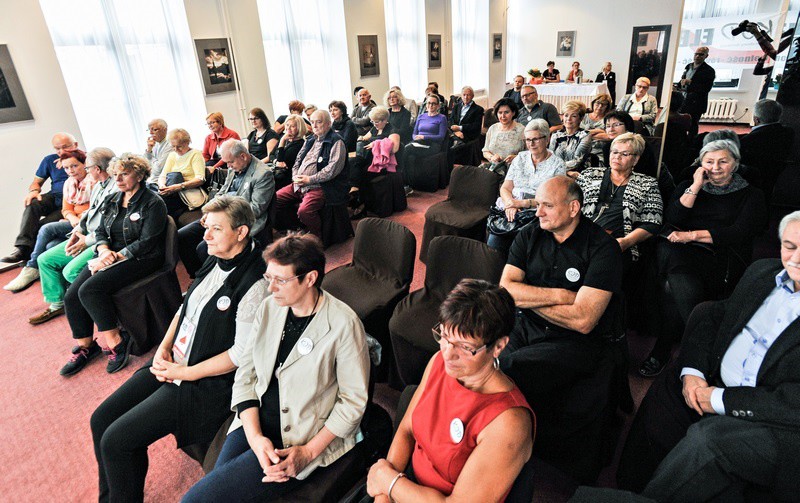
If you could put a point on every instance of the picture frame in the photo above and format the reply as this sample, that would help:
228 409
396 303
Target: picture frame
13 103
434 51
497 47
216 65
368 58
565 43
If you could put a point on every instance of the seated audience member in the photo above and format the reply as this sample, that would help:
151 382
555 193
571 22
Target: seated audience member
515 92
726 416
132 238
342 125
677 142
186 388
769 143
296 107
157 150
248 178
626 204
219 133
505 138
360 113
75 201
594 123
299 398
399 116
572 144
642 106
428 137
41 208
710 225
751 176
495 423
361 164
319 162
562 272
310 109
410 105
181 181
61 264
527 172
467 116
433 88
291 142
617 123
610 78
575 74
262 140
534 108
551 74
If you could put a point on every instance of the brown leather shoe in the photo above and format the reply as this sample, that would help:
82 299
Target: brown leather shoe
47 315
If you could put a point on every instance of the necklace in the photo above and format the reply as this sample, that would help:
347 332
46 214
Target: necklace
308 319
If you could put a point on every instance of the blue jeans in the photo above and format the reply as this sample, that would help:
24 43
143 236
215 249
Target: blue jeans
49 235
237 476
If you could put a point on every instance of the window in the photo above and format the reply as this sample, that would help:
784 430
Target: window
126 63
306 51
470 44
515 27
405 43
718 8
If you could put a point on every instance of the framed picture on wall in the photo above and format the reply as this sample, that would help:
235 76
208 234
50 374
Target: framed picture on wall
434 51
565 44
216 65
13 105
368 55
497 46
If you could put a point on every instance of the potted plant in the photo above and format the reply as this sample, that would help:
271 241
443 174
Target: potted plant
536 76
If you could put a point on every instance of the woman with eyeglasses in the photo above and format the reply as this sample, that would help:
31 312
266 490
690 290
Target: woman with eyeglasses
262 140
642 106
186 389
219 133
428 138
617 122
527 171
466 418
301 388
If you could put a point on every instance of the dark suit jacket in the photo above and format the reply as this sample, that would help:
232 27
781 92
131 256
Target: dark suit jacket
611 82
471 123
697 93
767 148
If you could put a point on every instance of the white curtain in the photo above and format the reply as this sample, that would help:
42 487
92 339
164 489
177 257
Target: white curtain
406 43
470 21
693 9
515 24
126 63
306 49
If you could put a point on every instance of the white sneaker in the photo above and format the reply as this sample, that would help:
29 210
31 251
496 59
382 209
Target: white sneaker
25 279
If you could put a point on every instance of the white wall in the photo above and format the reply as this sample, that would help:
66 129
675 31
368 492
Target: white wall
365 17
437 22
497 69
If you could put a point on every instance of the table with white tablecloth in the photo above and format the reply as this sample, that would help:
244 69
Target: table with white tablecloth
558 93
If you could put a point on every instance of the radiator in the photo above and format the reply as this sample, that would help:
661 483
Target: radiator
720 110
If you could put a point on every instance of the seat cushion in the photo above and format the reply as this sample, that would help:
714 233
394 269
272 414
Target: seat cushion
364 293
457 215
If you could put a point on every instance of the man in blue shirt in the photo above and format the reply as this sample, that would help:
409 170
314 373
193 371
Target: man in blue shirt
41 208
727 417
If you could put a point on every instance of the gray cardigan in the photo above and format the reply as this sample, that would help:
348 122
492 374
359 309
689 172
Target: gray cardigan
257 188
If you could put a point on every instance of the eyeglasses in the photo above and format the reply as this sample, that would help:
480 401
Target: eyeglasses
534 140
211 123
378 121
639 86
622 154
465 350
614 125
281 281
252 119
527 95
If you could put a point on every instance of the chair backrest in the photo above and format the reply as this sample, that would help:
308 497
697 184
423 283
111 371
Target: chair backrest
453 258
385 249
171 256
473 185
488 119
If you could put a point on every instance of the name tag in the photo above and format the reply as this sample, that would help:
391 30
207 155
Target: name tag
182 339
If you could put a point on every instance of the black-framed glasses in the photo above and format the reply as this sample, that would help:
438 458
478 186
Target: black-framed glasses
466 350
281 281
534 140
614 125
622 154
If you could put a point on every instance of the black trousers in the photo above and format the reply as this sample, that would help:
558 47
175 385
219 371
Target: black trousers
175 205
32 220
88 299
191 247
140 412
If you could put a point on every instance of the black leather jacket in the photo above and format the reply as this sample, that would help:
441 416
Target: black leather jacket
143 228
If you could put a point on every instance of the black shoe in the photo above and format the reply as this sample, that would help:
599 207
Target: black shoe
359 213
15 256
651 367
80 357
118 356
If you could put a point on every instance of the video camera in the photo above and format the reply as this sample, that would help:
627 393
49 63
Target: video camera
743 27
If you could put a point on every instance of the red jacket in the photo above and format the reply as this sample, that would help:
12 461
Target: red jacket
213 142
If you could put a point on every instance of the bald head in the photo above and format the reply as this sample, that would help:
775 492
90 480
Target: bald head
320 122
64 142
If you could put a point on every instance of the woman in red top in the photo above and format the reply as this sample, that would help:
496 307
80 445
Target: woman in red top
219 133
467 421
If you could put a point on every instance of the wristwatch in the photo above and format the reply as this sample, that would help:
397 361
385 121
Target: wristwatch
690 191
183 186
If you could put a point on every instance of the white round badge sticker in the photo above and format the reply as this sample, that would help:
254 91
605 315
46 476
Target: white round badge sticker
135 216
304 346
456 430
573 274
223 303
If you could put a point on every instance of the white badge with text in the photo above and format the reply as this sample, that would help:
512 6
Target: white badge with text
223 303
573 274
135 216
456 430
304 346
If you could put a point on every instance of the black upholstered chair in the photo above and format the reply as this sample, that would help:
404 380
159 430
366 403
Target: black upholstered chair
384 194
146 307
432 172
452 259
472 192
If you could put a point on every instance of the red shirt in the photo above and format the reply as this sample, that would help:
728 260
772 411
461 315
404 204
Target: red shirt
213 142
446 424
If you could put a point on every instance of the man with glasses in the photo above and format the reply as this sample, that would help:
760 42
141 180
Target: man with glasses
41 208
534 108
696 82
157 150
562 272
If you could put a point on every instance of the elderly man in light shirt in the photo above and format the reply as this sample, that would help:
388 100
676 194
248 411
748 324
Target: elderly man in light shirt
158 148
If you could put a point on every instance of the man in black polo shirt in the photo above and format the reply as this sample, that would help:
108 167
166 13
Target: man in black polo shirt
562 272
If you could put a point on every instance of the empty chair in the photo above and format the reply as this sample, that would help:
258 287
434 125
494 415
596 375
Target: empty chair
451 259
464 212
384 194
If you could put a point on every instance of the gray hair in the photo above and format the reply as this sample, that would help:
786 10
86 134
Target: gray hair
767 111
102 157
718 145
235 147
785 221
722 134
69 136
379 113
539 125
467 87
401 99
236 208
636 141
530 86
326 116
158 122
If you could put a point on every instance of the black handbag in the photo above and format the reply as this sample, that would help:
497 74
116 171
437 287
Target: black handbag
498 224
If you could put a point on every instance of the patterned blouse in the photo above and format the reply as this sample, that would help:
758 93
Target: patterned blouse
574 149
528 178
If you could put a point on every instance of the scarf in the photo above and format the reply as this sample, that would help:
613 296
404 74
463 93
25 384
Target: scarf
737 183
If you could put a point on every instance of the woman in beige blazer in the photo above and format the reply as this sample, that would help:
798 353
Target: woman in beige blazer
301 388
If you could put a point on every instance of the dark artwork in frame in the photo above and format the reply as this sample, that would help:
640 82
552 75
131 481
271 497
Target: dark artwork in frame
13 104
